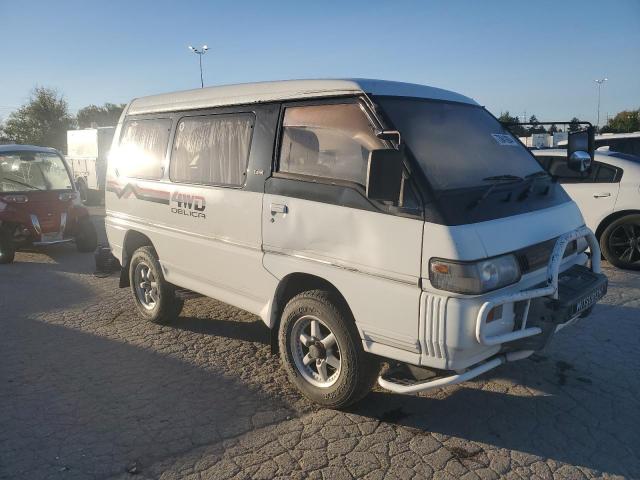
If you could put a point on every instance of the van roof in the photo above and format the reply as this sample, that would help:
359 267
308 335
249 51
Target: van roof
261 92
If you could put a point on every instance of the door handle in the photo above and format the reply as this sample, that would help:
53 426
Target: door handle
601 195
279 208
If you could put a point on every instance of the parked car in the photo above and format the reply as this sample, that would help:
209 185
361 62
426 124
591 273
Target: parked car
39 204
609 197
360 219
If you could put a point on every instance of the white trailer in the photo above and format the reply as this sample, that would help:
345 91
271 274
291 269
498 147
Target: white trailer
87 157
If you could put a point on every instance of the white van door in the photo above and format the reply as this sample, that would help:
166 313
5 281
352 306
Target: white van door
317 219
595 195
215 212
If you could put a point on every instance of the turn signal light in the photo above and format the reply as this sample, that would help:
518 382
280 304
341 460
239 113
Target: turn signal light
495 314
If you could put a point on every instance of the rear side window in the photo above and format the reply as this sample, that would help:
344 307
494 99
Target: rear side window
329 141
142 148
606 174
212 149
559 167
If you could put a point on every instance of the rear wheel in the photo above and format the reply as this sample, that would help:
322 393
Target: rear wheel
86 236
7 248
321 351
155 297
620 242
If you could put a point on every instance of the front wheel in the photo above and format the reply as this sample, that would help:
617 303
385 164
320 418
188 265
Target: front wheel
321 351
620 242
155 297
7 249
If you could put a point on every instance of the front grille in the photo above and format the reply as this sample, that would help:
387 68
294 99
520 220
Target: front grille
537 256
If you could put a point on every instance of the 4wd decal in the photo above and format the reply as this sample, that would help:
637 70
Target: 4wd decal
187 204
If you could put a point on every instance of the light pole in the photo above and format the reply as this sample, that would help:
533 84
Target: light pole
599 81
200 51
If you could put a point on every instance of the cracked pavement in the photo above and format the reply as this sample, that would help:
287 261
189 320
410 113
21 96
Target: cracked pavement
89 390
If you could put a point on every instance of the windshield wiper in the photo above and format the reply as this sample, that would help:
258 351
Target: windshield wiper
530 181
496 180
23 184
506 178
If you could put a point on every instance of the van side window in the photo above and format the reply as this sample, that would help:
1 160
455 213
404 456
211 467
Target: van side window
212 149
142 148
330 141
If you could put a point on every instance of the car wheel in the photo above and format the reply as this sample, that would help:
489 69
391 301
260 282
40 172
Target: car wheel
86 236
155 297
620 242
322 353
7 249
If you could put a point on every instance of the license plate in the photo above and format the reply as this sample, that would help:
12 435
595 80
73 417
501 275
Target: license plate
51 237
590 299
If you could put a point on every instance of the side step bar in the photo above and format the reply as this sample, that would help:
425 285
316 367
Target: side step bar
454 379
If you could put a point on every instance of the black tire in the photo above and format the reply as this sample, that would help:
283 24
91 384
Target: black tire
167 306
86 236
7 249
620 242
358 370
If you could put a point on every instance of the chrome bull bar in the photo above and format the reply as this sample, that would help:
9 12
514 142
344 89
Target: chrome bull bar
550 290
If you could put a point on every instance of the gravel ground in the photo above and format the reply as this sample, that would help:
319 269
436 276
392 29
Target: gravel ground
88 390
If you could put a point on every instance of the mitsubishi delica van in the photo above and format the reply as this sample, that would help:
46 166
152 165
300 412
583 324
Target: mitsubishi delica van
363 221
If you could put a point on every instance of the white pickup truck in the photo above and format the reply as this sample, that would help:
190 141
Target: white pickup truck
87 157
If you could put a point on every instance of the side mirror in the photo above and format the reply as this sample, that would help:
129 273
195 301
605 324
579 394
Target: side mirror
580 150
579 161
384 175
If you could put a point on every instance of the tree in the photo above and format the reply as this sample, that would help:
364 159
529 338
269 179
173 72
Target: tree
624 122
104 116
516 130
536 127
574 125
553 129
43 120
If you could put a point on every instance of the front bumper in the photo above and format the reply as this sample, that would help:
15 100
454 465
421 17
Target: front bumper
52 238
549 291
551 307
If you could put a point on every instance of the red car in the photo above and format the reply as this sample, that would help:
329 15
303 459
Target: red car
39 204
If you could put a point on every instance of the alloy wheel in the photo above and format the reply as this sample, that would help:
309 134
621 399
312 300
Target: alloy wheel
624 243
315 350
146 286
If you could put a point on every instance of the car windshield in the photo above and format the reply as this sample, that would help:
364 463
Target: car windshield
29 171
457 145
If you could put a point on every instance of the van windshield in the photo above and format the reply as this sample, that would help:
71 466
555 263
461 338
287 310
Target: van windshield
28 171
457 145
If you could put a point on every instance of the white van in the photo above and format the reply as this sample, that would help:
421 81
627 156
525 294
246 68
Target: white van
360 219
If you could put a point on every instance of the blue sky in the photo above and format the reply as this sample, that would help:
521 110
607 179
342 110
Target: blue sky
540 57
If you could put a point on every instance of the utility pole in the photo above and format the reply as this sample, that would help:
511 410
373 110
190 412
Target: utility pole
200 52
600 82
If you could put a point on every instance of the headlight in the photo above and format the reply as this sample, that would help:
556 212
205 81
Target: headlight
474 277
15 198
